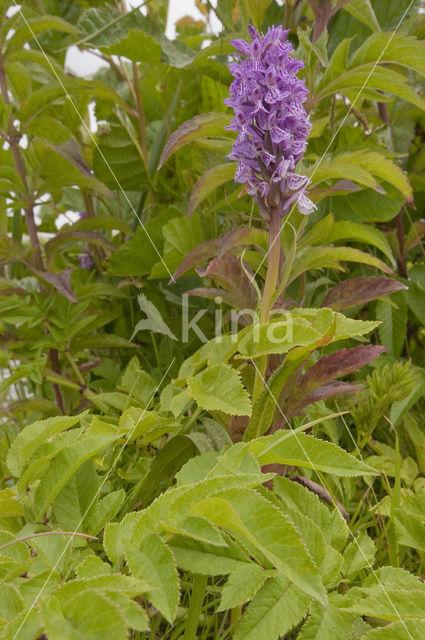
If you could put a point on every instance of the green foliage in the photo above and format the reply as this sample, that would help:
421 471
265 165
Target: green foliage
176 463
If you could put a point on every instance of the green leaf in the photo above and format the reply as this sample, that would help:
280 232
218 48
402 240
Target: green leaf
175 453
29 439
331 257
363 11
276 609
359 555
400 630
242 585
63 467
210 180
256 10
199 557
328 624
396 48
199 127
76 499
32 27
393 316
219 388
84 616
301 450
155 561
244 512
104 511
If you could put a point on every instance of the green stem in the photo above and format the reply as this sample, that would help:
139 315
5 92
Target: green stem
195 606
270 287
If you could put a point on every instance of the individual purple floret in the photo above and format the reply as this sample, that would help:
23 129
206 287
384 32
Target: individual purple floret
86 261
270 120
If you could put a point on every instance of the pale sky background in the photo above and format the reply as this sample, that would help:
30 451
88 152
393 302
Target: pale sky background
85 64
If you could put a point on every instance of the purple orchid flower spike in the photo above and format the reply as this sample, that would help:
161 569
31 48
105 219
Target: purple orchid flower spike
270 120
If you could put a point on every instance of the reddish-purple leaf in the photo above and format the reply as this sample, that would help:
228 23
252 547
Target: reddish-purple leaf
349 293
200 253
415 235
60 281
243 236
319 381
228 273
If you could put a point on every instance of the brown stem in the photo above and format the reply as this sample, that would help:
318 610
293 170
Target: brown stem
322 13
402 262
383 112
54 363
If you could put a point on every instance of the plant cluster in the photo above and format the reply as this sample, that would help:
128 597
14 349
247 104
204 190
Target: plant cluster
211 383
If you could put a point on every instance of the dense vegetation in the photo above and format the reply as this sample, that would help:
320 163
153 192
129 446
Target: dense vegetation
207 433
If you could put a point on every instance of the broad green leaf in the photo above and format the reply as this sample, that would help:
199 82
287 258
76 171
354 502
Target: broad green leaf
197 529
358 555
86 614
167 462
331 257
328 624
295 497
181 235
210 180
363 10
11 603
398 602
247 515
277 607
104 511
219 388
63 467
242 585
256 10
32 27
155 562
9 506
199 557
29 439
77 498
278 337
199 127
400 630
301 450
396 48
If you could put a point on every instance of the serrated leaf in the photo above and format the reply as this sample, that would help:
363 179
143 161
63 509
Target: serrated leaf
242 585
245 513
219 388
29 439
358 555
276 609
83 616
156 562
301 450
63 467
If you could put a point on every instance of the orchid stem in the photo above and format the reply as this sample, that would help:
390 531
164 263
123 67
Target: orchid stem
270 288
